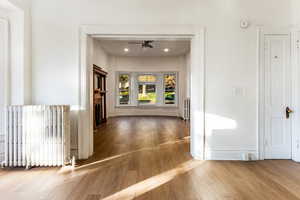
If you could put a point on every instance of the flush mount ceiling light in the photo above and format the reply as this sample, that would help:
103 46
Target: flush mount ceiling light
166 50
126 49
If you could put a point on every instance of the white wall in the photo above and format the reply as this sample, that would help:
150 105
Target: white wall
231 54
100 57
295 12
145 64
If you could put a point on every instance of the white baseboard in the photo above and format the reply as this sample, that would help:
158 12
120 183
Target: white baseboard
196 153
229 154
196 157
143 114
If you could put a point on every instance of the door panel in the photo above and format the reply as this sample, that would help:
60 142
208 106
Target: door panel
277 97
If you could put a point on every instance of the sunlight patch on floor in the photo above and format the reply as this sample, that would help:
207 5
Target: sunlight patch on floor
68 169
149 184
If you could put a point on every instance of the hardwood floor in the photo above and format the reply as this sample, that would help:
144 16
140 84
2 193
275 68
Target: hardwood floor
128 134
148 158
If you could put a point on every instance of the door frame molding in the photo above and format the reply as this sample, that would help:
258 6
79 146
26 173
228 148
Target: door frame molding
261 32
5 24
4 64
295 61
195 33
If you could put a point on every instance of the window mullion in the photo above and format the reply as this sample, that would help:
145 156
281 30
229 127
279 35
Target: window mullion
160 92
134 90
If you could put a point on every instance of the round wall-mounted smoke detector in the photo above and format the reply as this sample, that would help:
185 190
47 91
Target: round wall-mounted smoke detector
244 24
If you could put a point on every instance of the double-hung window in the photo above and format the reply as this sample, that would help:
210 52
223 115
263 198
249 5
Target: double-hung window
147 89
124 89
170 88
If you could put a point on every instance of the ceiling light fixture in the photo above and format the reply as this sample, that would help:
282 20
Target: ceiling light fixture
126 49
166 50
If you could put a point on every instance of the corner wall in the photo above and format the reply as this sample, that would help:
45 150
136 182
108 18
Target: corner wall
100 57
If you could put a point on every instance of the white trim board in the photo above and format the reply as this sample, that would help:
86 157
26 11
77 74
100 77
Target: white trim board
295 39
4 81
193 32
211 154
19 59
5 64
261 32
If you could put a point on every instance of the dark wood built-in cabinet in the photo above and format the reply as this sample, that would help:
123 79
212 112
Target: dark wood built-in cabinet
99 96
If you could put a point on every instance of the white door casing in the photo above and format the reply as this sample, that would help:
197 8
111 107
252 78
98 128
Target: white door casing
3 79
296 85
197 72
278 96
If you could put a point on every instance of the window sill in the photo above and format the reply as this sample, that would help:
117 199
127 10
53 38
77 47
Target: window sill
147 106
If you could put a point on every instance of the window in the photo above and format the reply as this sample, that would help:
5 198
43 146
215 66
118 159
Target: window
124 89
147 89
170 88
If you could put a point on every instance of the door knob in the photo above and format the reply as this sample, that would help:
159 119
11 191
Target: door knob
288 111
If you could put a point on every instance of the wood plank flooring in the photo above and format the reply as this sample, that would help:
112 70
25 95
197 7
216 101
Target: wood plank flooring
147 158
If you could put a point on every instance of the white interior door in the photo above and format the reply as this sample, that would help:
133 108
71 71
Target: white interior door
278 96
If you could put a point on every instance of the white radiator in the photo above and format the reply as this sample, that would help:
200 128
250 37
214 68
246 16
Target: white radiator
187 108
36 136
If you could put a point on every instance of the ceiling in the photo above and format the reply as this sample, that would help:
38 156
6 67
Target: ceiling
116 47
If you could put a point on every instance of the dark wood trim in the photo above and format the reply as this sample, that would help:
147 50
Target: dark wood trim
99 96
99 70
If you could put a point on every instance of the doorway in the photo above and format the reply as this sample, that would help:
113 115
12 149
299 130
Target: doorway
147 89
194 33
278 97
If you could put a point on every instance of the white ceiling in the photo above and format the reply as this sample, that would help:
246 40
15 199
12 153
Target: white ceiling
116 47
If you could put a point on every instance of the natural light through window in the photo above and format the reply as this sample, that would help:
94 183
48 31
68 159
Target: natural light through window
147 88
124 89
170 88
147 94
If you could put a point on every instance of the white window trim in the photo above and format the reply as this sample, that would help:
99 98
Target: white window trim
160 89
